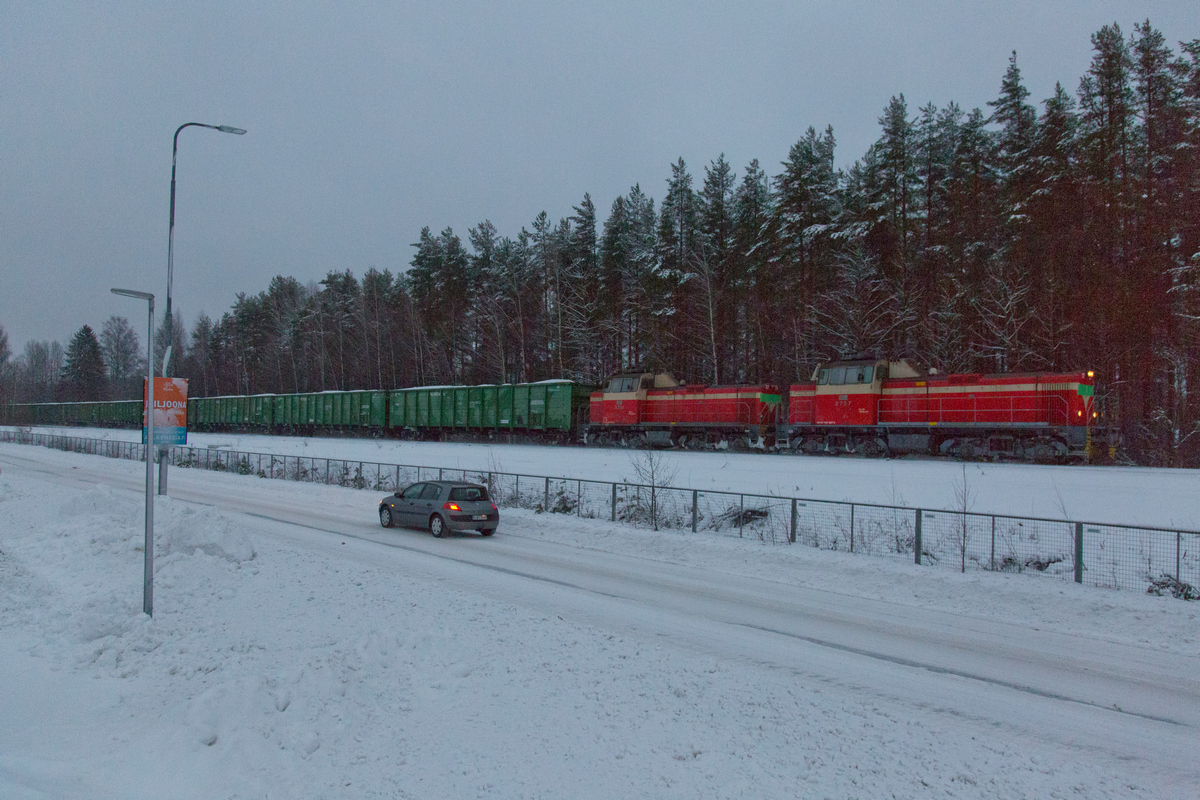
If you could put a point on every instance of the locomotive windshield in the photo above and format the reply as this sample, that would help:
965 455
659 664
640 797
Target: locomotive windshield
840 376
623 383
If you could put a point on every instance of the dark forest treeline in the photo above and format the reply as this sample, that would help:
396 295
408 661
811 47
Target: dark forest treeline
1061 235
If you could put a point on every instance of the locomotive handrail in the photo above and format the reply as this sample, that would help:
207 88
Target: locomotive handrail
1047 409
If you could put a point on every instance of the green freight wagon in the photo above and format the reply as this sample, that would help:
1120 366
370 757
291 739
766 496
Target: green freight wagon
505 414
520 416
475 407
461 397
279 408
376 409
564 399
325 409
423 413
395 413
262 407
489 406
335 406
435 407
410 408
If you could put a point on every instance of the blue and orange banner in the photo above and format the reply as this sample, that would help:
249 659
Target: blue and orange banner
170 411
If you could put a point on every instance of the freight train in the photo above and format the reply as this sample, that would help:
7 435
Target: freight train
872 407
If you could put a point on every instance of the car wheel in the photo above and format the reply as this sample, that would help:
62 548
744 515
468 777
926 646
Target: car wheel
437 526
488 531
385 517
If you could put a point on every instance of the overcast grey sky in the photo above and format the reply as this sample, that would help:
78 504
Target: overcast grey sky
368 121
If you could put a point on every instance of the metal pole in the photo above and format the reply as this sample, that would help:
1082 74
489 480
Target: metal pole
148 562
614 502
168 324
694 504
148 411
852 527
917 540
546 497
1079 552
993 543
792 531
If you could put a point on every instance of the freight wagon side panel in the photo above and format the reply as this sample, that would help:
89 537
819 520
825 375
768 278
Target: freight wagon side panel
491 406
558 406
521 405
537 406
505 414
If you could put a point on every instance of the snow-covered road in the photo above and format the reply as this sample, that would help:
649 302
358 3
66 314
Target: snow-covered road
997 667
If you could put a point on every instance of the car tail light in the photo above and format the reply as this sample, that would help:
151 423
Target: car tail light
451 506
494 507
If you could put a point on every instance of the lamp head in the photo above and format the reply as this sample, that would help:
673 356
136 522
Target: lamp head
132 293
231 129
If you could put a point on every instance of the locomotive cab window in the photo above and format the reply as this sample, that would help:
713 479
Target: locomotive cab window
823 377
865 374
837 376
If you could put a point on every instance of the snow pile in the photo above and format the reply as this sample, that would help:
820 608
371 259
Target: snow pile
182 529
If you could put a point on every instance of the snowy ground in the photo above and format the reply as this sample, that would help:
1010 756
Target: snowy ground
1168 498
299 650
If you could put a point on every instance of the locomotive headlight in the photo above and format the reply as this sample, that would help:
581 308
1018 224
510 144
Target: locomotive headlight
1094 415
1091 373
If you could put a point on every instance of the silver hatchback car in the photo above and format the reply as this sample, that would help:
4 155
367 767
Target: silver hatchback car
441 506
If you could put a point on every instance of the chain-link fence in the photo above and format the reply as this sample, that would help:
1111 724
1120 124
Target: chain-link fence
1098 554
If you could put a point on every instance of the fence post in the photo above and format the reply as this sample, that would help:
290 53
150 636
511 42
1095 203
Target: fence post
917 540
1079 552
993 561
741 513
694 503
792 530
1178 535
579 497
546 496
852 527
614 503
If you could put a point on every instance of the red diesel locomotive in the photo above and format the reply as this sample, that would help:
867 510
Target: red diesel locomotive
870 407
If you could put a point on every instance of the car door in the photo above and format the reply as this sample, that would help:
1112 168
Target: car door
406 505
430 499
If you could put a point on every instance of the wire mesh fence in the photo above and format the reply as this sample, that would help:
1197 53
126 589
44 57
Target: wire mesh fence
1100 554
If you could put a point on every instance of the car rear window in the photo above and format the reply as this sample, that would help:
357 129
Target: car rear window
468 493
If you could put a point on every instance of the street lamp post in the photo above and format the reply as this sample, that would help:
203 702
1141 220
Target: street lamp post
148 569
170 331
